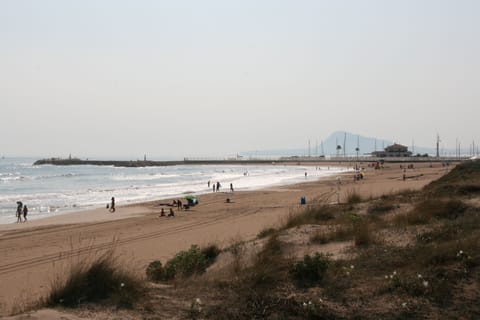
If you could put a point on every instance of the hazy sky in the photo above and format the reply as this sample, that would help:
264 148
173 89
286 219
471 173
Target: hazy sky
112 78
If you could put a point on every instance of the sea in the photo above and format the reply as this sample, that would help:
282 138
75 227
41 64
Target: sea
50 190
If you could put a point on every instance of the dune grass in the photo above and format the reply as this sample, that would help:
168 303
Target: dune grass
103 280
433 275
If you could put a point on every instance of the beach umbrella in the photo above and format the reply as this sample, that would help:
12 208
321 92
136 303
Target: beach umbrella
192 200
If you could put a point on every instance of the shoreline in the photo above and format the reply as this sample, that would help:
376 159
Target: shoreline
337 169
33 254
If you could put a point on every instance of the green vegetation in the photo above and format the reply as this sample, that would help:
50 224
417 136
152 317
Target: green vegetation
311 270
422 261
102 281
184 264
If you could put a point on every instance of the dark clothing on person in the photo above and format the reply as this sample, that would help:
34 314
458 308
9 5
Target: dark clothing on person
218 186
112 205
19 211
25 212
171 214
231 187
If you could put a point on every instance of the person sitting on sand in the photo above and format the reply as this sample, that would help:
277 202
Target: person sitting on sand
171 214
162 213
25 212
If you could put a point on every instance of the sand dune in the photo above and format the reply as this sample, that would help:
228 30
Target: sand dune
34 253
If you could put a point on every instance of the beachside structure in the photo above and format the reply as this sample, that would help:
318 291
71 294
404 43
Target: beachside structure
395 150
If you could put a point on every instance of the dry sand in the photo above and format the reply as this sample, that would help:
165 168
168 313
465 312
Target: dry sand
33 253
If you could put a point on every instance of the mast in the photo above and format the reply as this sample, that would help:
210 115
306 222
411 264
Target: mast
357 149
438 146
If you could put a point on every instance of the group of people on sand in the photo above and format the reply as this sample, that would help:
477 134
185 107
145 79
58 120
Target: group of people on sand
171 213
176 204
217 186
22 210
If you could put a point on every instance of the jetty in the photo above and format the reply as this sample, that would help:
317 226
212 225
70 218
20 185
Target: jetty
242 161
144 163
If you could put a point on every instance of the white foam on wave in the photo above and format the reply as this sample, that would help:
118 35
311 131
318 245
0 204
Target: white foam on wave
86 188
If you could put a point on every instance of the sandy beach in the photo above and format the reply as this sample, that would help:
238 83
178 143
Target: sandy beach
33 253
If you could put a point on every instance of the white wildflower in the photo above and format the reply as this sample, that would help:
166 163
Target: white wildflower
348 273
404 304
425 284
309 302
386 277
352 266
394 272
198 301
320 299
304 304
419 276
122 284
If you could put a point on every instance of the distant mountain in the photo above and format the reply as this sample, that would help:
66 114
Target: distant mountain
347 143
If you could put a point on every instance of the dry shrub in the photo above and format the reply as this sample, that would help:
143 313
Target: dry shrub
102 280
340 233
363 235
311 215
428 209
381 207
266 232
353 197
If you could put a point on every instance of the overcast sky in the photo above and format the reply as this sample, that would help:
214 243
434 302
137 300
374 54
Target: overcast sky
180 78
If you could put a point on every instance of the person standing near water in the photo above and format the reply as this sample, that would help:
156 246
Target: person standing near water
231 187
25 212
112 205
19 211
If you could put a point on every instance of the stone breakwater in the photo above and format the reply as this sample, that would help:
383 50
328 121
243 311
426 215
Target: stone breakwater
145 163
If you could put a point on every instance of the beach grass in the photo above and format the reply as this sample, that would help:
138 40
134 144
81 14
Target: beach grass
99 280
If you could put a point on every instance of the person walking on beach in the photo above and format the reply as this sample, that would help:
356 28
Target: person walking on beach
112 205
208 183
218 186
231 187
214 187
19 211
25 212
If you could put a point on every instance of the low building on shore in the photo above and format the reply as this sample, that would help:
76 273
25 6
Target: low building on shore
395 150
